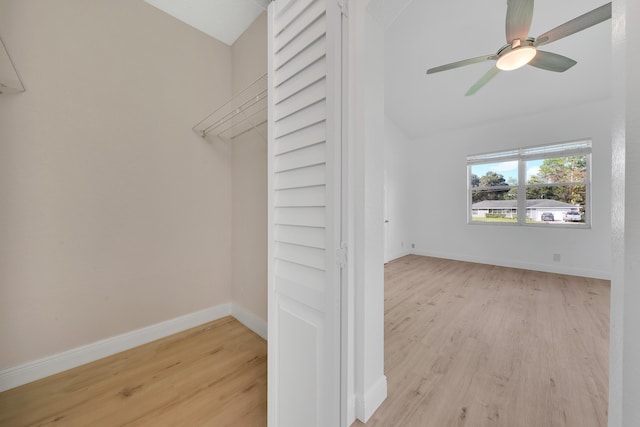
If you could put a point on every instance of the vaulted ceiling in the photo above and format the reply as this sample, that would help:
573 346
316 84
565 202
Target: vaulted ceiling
429 33
224 20
421 34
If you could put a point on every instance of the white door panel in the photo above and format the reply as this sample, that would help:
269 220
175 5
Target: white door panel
308 156
304 213
301 178
300 62
287 11
299 197
312 74
305 137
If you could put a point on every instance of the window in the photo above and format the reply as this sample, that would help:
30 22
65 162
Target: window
546 185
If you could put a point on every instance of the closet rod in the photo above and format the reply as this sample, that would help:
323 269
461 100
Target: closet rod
244 111
240 109
246 119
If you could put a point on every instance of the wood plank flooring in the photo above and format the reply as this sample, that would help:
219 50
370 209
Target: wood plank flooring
478 345
212 375
465 345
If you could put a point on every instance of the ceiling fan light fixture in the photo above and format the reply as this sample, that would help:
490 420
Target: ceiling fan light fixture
516 58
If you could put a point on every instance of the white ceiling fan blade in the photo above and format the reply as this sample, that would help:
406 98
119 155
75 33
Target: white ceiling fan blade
461 63
580 23
483 81
518 22
552 62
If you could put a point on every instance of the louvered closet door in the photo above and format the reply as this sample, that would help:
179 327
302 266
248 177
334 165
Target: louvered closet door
304 213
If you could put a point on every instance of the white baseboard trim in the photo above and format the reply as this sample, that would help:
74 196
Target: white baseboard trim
548 268
249 320
351 409
367 404
398 255
50 365
41 368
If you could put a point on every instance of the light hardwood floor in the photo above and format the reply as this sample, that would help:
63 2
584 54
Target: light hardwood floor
465 345
478 345
212 375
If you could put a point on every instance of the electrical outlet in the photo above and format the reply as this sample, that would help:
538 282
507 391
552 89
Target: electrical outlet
556 257
402 244
413 245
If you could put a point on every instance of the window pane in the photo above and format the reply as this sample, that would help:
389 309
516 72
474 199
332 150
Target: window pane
557 170
494 174
555 184
485 208
497 193
556 201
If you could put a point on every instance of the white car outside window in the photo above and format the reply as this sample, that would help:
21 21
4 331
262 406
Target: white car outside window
572 216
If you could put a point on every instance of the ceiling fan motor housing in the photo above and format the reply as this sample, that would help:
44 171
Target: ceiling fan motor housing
517 54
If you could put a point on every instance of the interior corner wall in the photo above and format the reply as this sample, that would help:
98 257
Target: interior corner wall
249 182
397 184
439 189
115 215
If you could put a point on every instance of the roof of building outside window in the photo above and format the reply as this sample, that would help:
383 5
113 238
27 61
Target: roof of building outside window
537 204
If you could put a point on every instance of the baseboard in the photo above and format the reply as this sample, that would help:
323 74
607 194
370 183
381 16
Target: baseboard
398 255
581 272
351 409
249 320
41 368
372 398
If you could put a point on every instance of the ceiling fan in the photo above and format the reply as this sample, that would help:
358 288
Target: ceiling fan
522 49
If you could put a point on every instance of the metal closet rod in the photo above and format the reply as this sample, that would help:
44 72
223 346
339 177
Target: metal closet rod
240 109
246 118
258 93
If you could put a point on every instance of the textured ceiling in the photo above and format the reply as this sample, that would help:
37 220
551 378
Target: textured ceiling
430 33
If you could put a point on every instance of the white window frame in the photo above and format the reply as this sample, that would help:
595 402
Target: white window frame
522 155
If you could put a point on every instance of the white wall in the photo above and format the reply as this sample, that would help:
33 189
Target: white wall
631 356
439 189
249 182
398 196
114 214
624 383
366 205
